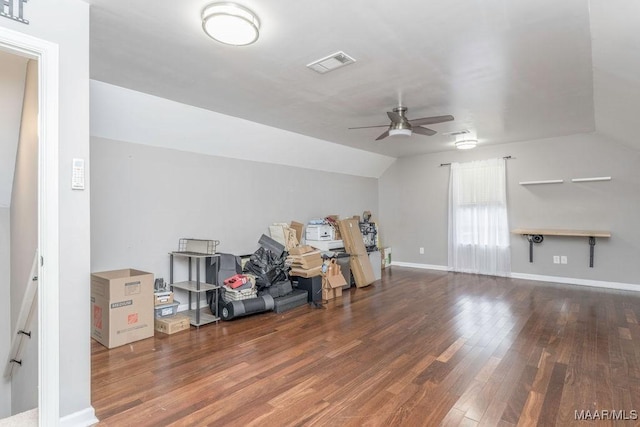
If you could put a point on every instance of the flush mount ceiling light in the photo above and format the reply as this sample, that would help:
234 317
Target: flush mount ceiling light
230 23
466 144
405 132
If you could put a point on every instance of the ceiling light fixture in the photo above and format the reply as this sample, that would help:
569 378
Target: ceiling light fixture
230 23
466 144
405 132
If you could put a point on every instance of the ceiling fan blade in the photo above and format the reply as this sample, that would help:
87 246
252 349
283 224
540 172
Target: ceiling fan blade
395 117
423 131
430 120
383 136
367 127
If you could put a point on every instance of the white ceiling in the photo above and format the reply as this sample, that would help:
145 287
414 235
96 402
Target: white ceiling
507 70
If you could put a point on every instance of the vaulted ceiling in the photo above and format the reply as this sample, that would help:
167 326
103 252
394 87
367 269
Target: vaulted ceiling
507 70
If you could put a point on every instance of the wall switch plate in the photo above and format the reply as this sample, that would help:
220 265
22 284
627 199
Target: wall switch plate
421 251
556 259
563 259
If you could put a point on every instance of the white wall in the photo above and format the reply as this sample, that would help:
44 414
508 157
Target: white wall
414 197
5 312
24 236
12 75
66 23
144 199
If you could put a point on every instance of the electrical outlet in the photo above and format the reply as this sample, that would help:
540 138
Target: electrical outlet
563 259
556 259
421 251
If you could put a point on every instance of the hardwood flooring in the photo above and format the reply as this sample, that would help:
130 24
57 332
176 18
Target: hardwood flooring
418 348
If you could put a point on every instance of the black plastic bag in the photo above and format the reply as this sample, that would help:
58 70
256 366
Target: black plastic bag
267 267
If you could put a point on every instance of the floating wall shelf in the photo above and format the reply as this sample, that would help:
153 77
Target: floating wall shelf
536 235
549 181
597 178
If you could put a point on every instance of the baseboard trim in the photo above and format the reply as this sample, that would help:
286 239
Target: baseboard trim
540 278
421 266
579 282
84 418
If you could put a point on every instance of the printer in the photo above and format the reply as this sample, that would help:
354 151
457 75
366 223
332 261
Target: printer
316 232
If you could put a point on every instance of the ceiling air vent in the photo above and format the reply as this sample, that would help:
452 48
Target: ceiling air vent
331 62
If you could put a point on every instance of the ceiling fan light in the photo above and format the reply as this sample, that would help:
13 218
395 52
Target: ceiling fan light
466 144
230 23
405 132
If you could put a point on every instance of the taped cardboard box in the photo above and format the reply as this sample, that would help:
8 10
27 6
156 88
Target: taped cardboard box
171 325
121 306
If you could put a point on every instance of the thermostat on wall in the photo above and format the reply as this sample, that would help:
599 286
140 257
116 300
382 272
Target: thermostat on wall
77 175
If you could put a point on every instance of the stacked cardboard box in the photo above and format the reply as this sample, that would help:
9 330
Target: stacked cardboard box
305 261
162 298
172 324
354 244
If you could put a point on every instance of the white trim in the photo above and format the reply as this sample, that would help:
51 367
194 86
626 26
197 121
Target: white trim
48 224
422 266
540 278
83 418
578 282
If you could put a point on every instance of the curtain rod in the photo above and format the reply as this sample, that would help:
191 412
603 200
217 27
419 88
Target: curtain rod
449 164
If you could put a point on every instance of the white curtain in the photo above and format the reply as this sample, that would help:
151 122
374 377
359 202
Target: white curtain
478 226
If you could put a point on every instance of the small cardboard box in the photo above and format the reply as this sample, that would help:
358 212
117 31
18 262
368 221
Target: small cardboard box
331 293
121 306
386 257
171 325
162 298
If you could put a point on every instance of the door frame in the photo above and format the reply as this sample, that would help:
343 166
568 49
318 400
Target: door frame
46 53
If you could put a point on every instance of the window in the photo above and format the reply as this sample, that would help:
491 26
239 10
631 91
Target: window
478 224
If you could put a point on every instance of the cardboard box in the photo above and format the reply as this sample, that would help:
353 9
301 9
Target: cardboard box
307 260
173 324
352 237
362 270
386 257
331 293
299 250
162 298
301 272
121 306
299 228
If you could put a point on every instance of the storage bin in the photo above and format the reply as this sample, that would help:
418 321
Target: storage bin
166 309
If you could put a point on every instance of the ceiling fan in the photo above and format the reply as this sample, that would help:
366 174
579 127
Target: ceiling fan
400 125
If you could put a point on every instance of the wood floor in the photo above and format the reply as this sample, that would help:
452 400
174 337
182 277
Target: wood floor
419 348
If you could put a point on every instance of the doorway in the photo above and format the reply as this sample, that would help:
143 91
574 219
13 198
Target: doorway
45 55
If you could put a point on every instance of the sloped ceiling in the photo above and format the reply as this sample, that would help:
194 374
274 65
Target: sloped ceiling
507 70
12 78
615 32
